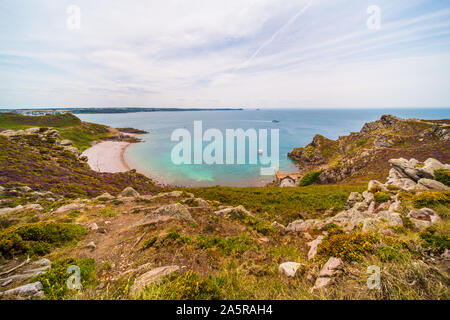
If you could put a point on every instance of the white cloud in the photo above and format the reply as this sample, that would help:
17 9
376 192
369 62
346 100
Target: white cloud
180 53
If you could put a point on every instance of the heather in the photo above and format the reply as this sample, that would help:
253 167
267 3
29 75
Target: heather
43 166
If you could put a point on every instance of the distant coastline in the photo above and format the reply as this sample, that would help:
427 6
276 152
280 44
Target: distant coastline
43 111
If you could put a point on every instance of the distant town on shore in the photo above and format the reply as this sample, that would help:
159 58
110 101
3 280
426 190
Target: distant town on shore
79 110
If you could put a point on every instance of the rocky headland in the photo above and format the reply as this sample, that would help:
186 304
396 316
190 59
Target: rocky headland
362 156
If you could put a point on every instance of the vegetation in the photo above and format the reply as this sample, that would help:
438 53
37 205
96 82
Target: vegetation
310 178
381 197
60 171
443 176
16 121
352 246
228 246
187 286
435 240
54 281
38 238
284 204
430 199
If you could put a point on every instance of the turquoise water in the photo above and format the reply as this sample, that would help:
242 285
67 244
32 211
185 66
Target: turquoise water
296 128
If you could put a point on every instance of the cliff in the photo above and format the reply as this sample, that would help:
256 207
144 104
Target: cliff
362 156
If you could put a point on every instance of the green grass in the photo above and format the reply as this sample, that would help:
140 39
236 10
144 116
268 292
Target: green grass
54 281
83 134
38 238
15 121
284 204
443 176
381 197
69 126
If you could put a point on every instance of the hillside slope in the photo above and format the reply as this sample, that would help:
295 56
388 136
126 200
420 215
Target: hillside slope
363 156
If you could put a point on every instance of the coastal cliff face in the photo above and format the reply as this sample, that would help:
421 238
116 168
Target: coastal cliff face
362 156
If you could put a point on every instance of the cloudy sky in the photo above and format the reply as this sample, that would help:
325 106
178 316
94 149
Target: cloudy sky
216 53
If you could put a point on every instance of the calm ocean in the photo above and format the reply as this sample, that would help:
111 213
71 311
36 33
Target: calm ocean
297 128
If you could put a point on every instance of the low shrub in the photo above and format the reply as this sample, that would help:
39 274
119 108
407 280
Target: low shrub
347 246
259 225
38 238
392 253
443 176
177 237
310 178
429 199
54 280
187 286
191 202
148 243
381 197
431 239
228 246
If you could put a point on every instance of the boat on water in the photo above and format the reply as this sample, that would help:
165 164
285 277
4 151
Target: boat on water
275 121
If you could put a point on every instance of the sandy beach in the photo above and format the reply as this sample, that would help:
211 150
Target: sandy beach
108 156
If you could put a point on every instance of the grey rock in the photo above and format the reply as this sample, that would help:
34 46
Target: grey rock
376 184
430 165
25 189
395 206
239 211
66 143
5 211
105 196
42 262
353 198
313 247
425 214
446 255
278 225
175 211
34 207
332 269
93 227
300 225
404 184
289 268
433 185
420 224
73 150
152 276
401 163
129 192
368 197
91 245
32 130
27 290
414 174
70 207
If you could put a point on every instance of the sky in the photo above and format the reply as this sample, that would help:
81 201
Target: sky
234 53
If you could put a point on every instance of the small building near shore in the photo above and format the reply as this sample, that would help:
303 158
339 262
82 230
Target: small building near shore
287 179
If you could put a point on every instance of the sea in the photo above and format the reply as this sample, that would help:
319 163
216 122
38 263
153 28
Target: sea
154 157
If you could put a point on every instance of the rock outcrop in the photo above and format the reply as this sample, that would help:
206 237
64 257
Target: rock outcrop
129 192
364 154
330 271
152 276
363 210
